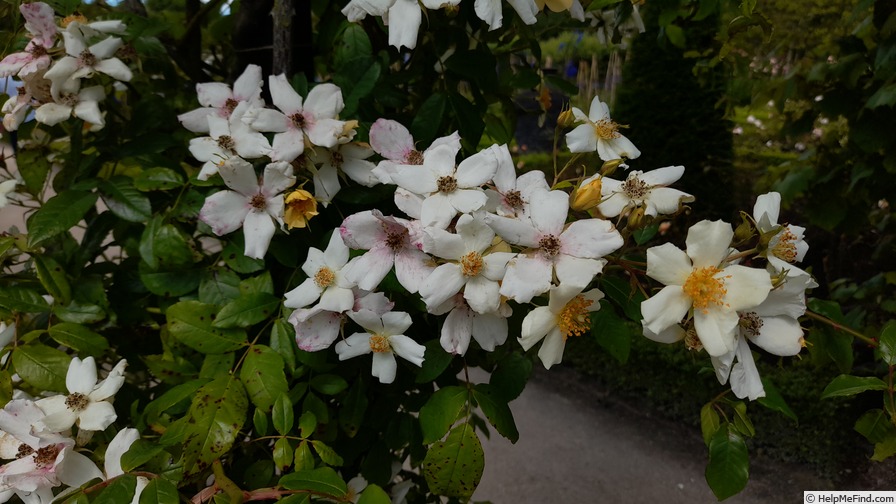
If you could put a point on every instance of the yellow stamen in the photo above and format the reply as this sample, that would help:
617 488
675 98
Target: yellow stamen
704 288
785 249
606 129
324 277
574 319
471 264
379 344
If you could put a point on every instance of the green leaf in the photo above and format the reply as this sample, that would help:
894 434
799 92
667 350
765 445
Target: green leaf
875 425
79 338
329 384
846 385
41 366
140 452
611 332
169 282
120 489
165 246
354 405
323 480
887 343
354 45
307 424
741 421
497 411
624 294
885 448
124 200
53 278
283 339
22 299
35 176
214 365
709 422
218 286
315 405
216 415
729 464
435 363
282 414
235 258
283 454
510 376
59 214
183 392
425 125
327 454
675 34
247 310
774 401
260 422
454 467
160 491
361 88
262 374
373 494
441 411
304 459
158 179
469 119
191 323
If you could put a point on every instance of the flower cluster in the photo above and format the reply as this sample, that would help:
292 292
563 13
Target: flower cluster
36 435
60 67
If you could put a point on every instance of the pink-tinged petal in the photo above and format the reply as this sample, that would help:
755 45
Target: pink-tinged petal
115 68
303 295
780 335
258 228
467 200
324 101
11 64
515 231
489 11
482 294
437 211
526 277
745 381
81 376
590 238
363 230
489 330
240 176
353 346
668 264
247 86
551 351
582 139
577 271
97 416
746 287
52 113
477 169
411 268
662 176
456 331
384 367
391 140
89 111
225 211
407 349
708 242
665 308
614 205
665 200
548 211
213 94
287 146
76 469
337 299
404 23
278 177
325 132
767 210
444 282
319 331
368 270
671 334
716 330
39 21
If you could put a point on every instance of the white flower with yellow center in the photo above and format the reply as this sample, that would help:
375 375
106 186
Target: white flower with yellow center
385 339
600 133
325 280
699 282
566 315
89 403
640 189
786 246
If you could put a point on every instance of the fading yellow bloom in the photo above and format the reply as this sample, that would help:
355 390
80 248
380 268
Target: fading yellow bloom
300 208
554 5
587 195
75 16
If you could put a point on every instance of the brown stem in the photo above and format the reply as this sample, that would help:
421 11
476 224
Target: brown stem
840 327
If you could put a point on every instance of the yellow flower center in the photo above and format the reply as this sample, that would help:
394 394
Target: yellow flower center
75 16
471 264
324 277
379 344
606 129
785 249
704 288
574 319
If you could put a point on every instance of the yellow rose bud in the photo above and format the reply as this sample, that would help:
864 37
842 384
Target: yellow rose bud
587 195
566 118
610 166
300 208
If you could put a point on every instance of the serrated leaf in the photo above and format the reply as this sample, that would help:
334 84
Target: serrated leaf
611 332
158 179
191 323
247 310
79 338
59 214
327 454
53 278
262 374
323 480
41 366
441 411
497 411
160 491
454 467
729 464
217 415
282 414
709 422
846 385
124 200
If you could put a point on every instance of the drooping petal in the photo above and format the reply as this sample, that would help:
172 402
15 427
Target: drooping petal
303 295
52 113
115 68
363 230
325 132
441 243
76 469
515 231
536 325
526 9
745 381
89 111
551 351
780 335
716 330
411 268
457 330
384 367
391 140
278 177
258 228
337 299
671 334
326 183
288 145
614 205
117 447
490 12
318 331
404 23
577 271
444 282
665 201
482 294
489 330
368 270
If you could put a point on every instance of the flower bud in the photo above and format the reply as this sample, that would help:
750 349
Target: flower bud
566 119
609 167
587 195
744 230
636 219
300 208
